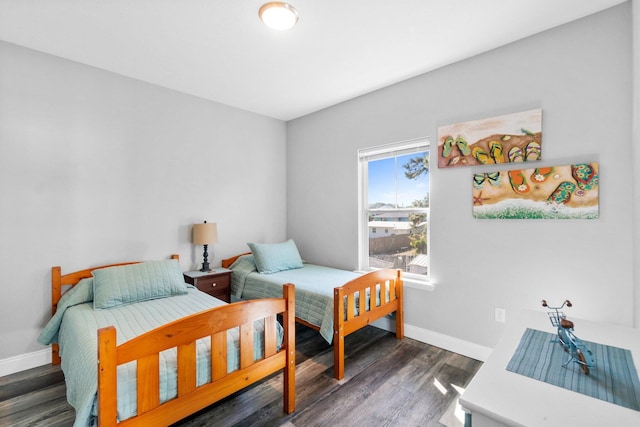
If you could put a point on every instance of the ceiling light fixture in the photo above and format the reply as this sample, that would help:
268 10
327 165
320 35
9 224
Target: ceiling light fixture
278 15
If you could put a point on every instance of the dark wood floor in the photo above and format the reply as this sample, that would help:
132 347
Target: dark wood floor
387 382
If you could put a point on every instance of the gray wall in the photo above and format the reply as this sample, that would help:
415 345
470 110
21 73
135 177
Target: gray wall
98 168
580 75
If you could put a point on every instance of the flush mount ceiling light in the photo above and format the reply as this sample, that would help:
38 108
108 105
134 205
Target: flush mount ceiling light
278 15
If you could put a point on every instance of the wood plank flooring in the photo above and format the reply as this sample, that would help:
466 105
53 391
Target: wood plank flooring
388 382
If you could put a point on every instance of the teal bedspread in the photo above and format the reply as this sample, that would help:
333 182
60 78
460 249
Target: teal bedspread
314 289
74 327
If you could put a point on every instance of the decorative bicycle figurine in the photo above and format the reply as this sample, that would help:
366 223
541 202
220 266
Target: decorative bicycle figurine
578 351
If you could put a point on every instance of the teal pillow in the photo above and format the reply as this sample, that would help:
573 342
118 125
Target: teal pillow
126 284
274 257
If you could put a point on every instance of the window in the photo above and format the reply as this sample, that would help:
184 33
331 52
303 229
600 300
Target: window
394 197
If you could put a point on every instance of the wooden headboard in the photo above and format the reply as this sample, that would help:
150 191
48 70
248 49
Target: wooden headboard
226 263
58 280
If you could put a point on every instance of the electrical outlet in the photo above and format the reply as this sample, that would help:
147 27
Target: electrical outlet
501 314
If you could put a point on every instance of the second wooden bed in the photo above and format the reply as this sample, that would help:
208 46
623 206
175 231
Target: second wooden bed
382 291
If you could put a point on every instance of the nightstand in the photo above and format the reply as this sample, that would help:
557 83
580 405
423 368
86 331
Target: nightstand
216 283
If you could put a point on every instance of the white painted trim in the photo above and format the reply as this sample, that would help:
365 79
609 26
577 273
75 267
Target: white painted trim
22 362
419 285
466 348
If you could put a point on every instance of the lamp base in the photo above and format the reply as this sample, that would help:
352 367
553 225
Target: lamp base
205 262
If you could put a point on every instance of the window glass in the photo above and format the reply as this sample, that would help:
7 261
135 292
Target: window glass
394 207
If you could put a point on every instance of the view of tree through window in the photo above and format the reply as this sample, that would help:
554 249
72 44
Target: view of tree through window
397 209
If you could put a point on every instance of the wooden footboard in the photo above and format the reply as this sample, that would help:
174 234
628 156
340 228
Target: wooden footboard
182 334
379 293
384 283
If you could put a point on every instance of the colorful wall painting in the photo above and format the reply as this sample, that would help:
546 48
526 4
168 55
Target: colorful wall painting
558 192
510 138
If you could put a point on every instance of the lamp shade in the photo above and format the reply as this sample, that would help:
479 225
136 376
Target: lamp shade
205 234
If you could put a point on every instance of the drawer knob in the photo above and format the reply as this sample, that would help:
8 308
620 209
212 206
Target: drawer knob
213 285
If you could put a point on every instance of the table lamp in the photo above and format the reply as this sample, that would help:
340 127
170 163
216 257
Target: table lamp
205 234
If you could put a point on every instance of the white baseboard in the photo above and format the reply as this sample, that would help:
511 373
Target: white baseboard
466 348
14 364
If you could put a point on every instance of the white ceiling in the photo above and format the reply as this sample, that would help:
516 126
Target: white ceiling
219 49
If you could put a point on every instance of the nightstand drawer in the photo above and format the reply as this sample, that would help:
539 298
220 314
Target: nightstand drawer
213 284
216 283
221 295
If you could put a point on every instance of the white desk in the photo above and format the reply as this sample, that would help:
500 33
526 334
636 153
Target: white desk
497 397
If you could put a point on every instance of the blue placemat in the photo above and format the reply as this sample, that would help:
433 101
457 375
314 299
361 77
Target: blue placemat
613 379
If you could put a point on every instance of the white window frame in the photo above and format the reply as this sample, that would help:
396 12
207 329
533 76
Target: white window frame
376 153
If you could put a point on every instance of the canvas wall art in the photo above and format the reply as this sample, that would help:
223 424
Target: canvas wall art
558 192
510 138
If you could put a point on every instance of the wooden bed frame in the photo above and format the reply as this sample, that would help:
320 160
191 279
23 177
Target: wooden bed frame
182 334
345 324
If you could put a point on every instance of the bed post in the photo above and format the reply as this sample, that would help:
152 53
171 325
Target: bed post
338 333
289 389
56 294
107 377
400 310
